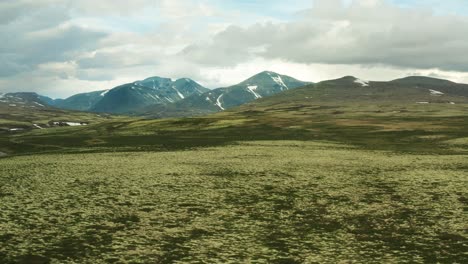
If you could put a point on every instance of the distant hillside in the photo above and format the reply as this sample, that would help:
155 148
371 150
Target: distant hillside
413 90
258 86
435 84
20 112
25 100
131 97
81 102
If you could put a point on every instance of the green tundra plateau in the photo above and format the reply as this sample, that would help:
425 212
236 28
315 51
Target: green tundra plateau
342 171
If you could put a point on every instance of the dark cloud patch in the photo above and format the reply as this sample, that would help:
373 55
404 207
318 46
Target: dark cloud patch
26 50
40 32
61 44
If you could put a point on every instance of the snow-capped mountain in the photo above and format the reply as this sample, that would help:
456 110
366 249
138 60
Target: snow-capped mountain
128 98
258 86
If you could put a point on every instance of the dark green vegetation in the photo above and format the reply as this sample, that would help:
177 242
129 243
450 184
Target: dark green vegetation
343 170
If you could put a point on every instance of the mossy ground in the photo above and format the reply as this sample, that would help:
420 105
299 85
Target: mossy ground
259 201
293 182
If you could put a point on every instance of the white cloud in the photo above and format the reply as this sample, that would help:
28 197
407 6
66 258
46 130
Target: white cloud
364 33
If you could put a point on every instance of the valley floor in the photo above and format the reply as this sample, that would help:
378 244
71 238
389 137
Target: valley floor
253 201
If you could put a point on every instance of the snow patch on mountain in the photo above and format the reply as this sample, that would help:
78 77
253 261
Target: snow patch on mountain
37 126
218 102
178 93
434 92
104 93
154 96
251 89
363 83
277 79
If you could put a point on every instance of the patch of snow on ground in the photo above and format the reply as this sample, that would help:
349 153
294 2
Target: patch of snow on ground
75 124
16 129
218 102
452 103
37 126
2 95
39 104
362 82
434 92
422 102
12 105
207 99
104 93
252 89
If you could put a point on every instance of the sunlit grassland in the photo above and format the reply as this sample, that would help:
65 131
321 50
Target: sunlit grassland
258 201
396 127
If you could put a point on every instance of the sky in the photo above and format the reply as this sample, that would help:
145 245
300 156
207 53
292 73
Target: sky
62 47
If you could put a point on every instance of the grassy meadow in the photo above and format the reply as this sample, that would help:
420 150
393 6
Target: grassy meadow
292 181
258 201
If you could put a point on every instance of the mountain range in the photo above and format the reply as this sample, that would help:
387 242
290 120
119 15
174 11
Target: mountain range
261 85
158 97
163 97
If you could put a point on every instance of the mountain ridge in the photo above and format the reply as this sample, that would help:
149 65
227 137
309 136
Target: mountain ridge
164 97
260 85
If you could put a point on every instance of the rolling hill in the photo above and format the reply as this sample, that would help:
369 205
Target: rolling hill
80 102
349 89
25 99
22 112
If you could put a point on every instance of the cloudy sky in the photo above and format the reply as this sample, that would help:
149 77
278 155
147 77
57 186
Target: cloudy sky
62 47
